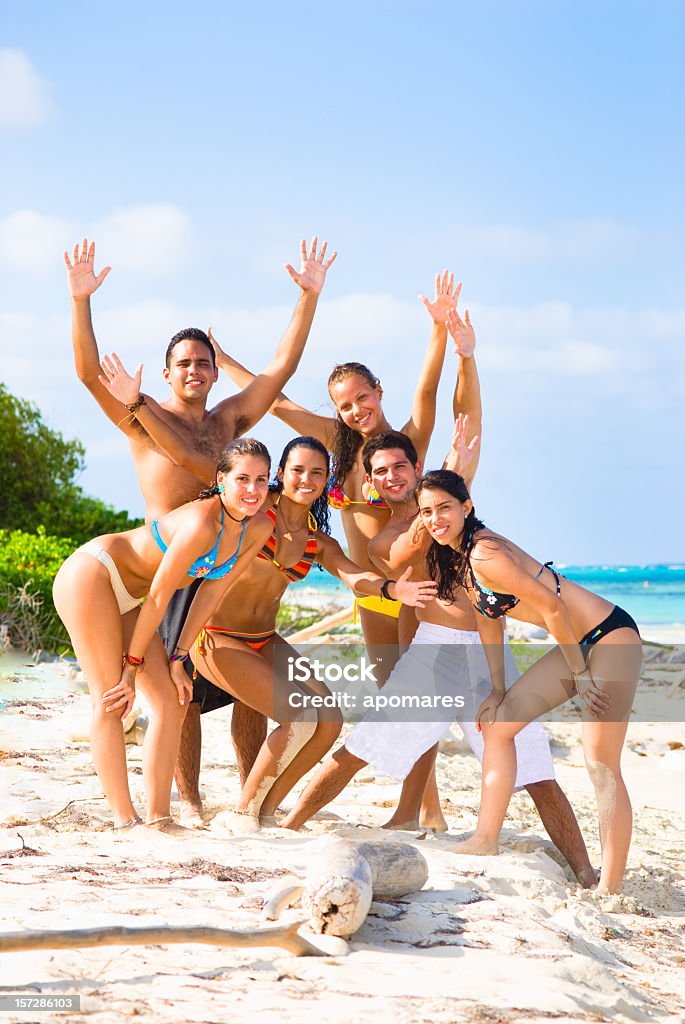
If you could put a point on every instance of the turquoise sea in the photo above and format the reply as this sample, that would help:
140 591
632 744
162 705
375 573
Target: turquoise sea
653 594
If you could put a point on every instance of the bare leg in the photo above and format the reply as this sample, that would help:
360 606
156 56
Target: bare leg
187 770
250 678
162 738
616 661
248 733
406 814
430 815
329 781
562 828
83 595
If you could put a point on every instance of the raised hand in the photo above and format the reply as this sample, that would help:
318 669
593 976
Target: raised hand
81 278
416 595
312 274
446 297
462 333
220 357
461 454
120 384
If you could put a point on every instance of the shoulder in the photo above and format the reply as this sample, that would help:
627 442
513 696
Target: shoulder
259 528
488 546
327 548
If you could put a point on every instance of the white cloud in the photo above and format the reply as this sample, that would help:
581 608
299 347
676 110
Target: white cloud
153 239
593 240
24 96
31 242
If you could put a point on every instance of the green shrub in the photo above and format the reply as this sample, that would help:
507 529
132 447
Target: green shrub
28 564
39 469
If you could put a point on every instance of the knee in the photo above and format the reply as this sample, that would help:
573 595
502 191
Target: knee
601 774
546 789
305 725
329 729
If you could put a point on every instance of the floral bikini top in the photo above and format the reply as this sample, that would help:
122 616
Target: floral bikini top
489 602
205 566
300 569
338 499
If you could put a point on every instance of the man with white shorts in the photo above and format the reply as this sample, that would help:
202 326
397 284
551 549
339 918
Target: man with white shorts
445 658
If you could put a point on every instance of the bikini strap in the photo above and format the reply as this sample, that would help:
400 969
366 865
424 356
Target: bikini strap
550 566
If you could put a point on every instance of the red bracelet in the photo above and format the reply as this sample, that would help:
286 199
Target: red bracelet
130 659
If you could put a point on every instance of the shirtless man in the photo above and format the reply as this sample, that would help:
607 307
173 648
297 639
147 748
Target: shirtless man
190 372
394 470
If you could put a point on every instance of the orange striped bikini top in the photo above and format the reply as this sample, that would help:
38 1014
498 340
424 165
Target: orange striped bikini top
300 569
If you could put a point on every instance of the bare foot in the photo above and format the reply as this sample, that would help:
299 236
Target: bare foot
474 846
166 825
402 826
241 823
268 821
191 815
587 878
433 822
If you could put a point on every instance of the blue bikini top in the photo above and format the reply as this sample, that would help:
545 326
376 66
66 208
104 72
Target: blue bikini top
492 604
204 567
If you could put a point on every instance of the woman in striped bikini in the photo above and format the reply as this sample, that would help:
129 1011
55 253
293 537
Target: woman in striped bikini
237 645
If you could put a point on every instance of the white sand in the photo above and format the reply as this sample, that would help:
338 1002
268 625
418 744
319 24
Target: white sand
508 938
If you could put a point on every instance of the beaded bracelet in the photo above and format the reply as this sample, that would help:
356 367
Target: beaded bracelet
130 659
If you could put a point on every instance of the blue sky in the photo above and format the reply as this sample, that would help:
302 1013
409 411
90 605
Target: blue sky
534 148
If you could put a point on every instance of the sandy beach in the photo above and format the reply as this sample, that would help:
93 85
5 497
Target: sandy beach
497 939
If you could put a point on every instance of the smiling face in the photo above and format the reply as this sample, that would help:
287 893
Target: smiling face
443 515
191 372
245 485
394 476
358 404
304 477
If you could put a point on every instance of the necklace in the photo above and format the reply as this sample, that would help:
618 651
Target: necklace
232 517
288 535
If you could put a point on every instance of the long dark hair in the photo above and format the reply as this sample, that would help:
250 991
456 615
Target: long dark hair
445 564
319 509
230 455
346 441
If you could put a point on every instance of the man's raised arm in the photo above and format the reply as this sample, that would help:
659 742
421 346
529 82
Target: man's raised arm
82 282
254 401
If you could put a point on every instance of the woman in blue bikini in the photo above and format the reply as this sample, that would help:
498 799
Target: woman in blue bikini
98 593
598 658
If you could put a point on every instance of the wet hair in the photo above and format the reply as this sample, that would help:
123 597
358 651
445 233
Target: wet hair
386 441
189 334
230 455
346 441
319 509
445 564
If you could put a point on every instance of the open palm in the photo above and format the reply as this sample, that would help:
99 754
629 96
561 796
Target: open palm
312 273
82 280
446 297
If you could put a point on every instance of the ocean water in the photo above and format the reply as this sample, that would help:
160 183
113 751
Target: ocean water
652 594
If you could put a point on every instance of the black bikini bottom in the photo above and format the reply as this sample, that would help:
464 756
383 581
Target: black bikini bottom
616 619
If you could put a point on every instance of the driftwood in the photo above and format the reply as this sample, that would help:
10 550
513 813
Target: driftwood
284 936
344 877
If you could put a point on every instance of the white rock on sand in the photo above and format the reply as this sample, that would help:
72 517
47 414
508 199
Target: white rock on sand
509 938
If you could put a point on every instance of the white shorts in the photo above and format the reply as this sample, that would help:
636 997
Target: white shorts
394 747
125 601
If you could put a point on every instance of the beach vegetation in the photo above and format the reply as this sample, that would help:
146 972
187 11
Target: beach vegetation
39 470
44 516
28 564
